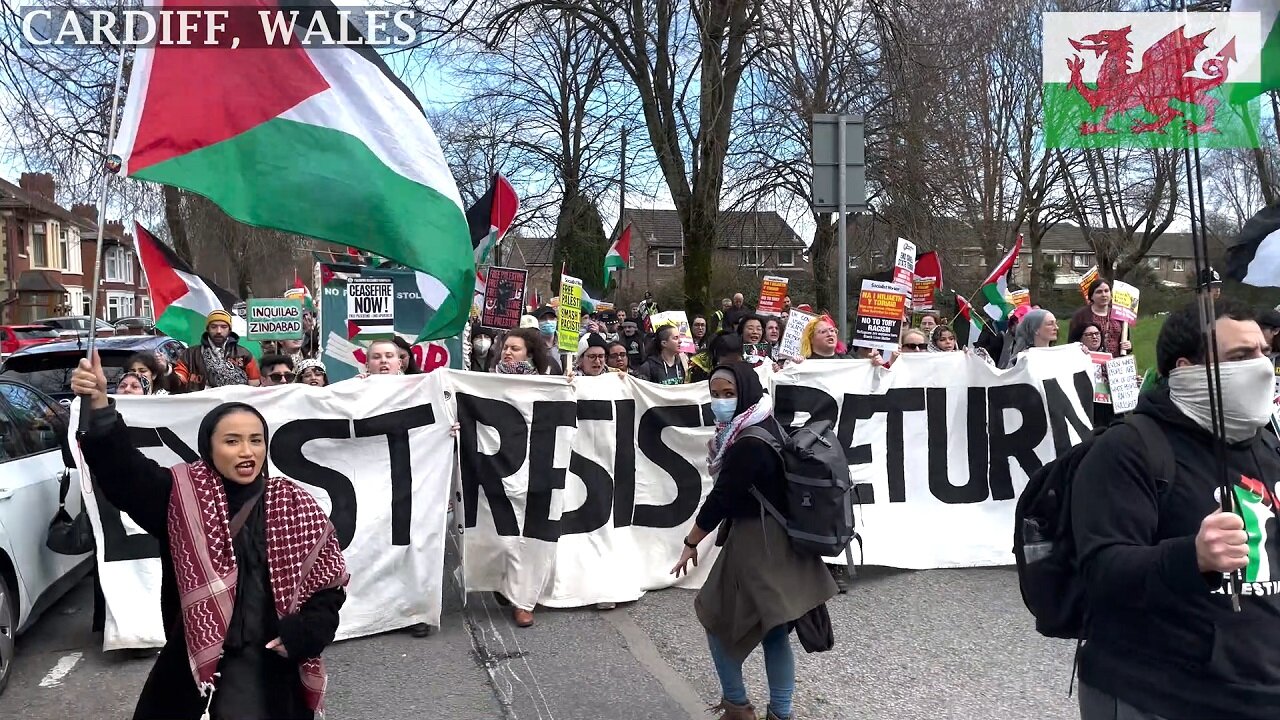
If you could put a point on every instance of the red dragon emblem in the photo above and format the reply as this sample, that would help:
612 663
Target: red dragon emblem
1164 77
1260 489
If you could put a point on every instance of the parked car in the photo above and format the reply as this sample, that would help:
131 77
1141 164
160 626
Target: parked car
15 337
71 326
33 430
48 367
140 325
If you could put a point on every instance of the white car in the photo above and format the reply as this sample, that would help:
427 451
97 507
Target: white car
32 577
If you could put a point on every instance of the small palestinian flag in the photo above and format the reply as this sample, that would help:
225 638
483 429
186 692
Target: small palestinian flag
491 217
995 289
321 141
181 300
1254 257
619 255
972 324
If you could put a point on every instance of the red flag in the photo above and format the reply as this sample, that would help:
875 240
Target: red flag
928 265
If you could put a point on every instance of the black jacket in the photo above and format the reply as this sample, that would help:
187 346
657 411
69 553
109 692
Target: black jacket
747 463
655 370
139 487
1160 635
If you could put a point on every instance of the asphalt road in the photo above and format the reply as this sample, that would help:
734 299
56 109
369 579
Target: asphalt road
928 644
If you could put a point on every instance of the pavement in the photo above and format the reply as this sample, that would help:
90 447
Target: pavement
909 644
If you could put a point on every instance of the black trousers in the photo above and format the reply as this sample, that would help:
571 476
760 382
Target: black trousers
1098 705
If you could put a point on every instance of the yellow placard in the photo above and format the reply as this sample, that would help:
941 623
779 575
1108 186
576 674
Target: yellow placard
569 314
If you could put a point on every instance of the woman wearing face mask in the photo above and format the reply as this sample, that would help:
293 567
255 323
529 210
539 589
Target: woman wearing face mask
759 584
1037 329
482 349
256 598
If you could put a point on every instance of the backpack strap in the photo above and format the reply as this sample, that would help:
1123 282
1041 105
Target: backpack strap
1155 444
759 433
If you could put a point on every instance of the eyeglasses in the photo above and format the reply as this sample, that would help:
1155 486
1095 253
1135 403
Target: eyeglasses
281 377
593 356
916 346
618 355
1092 334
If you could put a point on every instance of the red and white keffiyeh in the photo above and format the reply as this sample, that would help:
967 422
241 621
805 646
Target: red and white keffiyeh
303 557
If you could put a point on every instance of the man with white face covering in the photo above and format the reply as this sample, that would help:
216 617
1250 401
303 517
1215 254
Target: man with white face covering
1161 638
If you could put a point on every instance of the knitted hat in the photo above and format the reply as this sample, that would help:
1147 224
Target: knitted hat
218 316
311 363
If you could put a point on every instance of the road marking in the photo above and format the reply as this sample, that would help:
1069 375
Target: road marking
647 654
60 670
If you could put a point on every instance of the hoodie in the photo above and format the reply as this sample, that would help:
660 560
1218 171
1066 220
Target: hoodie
1160 635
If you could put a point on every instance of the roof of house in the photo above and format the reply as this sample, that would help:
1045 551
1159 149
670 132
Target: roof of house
14 197
527 252
766 229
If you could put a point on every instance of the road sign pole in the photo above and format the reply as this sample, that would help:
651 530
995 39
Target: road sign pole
842 253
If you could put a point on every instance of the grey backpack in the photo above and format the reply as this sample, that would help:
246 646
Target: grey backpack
819 518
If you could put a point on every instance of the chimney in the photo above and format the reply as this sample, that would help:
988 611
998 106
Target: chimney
85 211
114 229
38 183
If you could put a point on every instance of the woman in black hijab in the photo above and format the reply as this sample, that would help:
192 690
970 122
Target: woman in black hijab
243 632
759 585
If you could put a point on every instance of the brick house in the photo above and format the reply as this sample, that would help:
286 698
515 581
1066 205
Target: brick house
531 254
49 254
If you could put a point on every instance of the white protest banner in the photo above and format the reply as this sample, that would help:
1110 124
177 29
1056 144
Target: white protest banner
1125 383
578 493
371 306
941 444
789 344
377 455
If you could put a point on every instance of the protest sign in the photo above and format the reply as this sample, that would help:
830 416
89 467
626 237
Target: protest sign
904 266
1101 385
1124 302
922 289
377 455
772 292
371 307
503 298
678 320
1122 374
1020 297
1086 280
569 314
789 344
273 320
879 321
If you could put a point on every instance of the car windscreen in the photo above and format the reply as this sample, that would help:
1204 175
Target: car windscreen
35 333
51 372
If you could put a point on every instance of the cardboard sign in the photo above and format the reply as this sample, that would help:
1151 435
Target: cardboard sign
879 321
772 291
922 289
1101 384
569 314
904 267
1124 302
1086 281
503 298
274 320
1020 297
1122 374
371 306
789 344
678 320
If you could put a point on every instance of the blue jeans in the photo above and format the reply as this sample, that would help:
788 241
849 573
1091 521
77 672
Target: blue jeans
779 667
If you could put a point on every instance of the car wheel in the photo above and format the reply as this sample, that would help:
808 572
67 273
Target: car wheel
8 629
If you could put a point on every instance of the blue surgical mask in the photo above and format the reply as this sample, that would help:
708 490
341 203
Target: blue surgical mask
724 409
548 327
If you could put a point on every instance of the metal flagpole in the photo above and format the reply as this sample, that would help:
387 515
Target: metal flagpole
102 221
842 281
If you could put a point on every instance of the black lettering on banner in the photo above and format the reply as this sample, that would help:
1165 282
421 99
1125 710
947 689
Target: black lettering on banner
624 463
286 453
853 409
117 544
788 399
687 478
396 426
595 510
544 477
894 403
487 471
1019 444
976 489
1061 412
939 476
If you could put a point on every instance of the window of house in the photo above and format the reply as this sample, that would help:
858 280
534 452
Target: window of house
63 251
1081 261
39 246
74 263
1153 263
113 308
1177 264
666 258
752 258
786 258
962 259
853 263
84 305
119 264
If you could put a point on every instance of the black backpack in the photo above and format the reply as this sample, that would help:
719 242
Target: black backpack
1043 544
819 519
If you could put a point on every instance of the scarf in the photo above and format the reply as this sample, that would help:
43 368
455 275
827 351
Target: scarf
146 384
727 433
219 370
518 368
303 557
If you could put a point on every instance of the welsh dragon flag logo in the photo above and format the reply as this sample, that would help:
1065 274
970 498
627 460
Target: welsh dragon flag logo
1150 80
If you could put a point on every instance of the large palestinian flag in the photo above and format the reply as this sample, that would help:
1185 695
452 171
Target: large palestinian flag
319 141
180 299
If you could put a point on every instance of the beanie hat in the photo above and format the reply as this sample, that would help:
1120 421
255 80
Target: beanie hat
591 340
528 321
218 316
